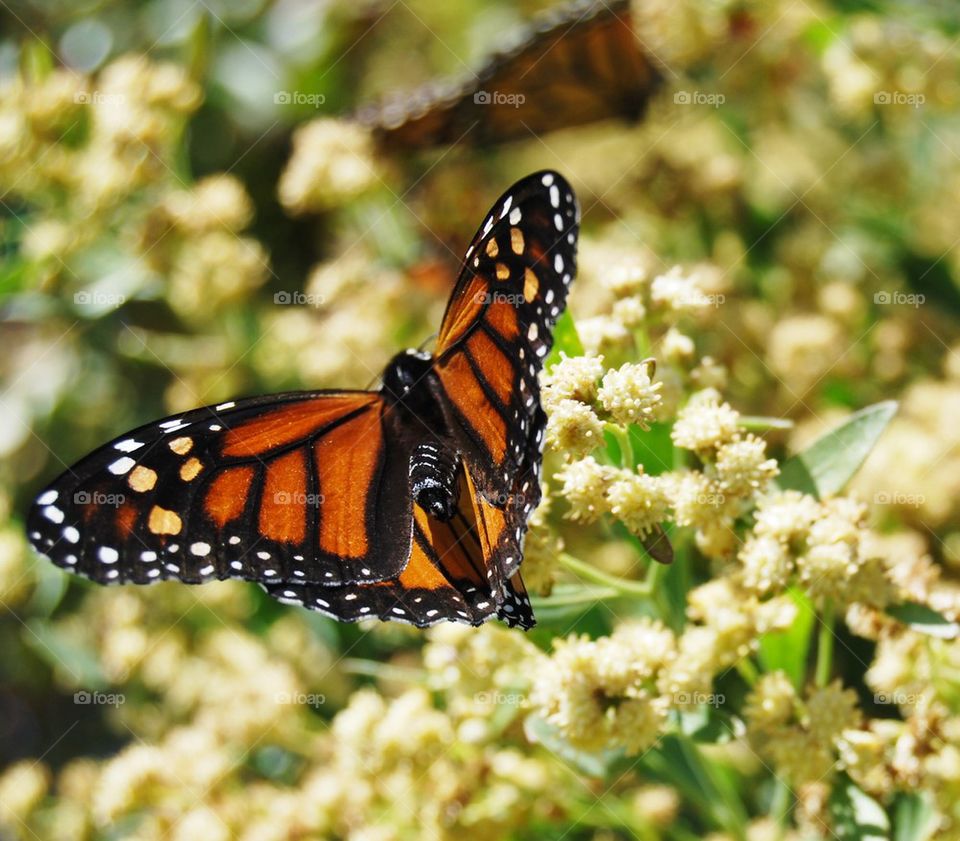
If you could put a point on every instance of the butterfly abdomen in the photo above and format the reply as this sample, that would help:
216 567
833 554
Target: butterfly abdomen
433 479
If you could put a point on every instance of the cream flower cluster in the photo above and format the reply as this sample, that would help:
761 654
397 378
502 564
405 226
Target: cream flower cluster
800 736
603 693
825 545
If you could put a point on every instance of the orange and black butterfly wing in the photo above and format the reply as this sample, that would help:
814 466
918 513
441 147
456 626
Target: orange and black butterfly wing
306 486
578 64
445 580
495 334
498 329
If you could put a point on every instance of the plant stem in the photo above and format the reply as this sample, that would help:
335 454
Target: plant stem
384 671
655 573
780 805
590 573
825 643
587 594
757 423
748 671
622 436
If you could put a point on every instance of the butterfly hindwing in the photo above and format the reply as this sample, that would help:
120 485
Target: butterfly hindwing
281 488
445 580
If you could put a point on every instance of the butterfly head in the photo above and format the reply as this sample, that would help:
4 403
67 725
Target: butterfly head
405 372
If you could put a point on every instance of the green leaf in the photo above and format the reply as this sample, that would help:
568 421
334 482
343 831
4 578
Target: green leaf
49 589
565 339
63 653
707 784
706 724
825 467
925 620
856 815
591 763
653 448
787 650
913 818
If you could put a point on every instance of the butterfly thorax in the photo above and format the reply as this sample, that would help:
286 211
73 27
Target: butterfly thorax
405 379
408 383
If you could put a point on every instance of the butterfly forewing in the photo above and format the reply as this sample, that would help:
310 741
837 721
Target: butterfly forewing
252 489
579 64
316 495
498 328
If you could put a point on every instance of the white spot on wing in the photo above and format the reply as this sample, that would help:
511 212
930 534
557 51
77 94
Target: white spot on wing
47 497
121 466
108 555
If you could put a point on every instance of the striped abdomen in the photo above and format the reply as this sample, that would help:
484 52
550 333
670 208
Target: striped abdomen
433 479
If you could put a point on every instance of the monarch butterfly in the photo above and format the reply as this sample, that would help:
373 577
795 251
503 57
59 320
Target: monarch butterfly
578 64
408 503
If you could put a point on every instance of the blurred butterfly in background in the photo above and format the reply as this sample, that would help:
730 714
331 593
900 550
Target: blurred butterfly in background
578 64
408 503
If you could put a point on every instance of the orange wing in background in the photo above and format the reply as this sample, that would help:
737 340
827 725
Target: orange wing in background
579 64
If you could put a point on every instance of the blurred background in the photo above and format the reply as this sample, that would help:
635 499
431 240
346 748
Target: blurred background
189 214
